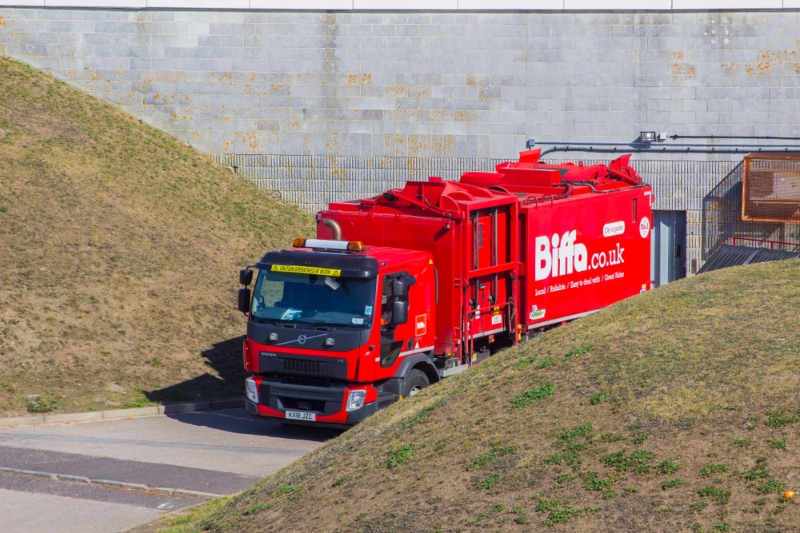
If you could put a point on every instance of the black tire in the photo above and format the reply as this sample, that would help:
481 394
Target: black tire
415 381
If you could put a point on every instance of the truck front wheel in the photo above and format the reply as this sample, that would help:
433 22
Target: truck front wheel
415 381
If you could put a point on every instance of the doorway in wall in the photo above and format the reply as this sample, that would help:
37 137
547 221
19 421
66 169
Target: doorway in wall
668 247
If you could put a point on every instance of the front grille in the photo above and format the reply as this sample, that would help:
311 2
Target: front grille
287 396
296 365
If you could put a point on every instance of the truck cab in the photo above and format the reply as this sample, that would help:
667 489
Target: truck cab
337 330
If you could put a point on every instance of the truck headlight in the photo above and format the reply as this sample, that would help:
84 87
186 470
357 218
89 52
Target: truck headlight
355 400
251 389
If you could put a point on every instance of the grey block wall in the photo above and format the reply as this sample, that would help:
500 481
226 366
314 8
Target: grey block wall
365 99
421 84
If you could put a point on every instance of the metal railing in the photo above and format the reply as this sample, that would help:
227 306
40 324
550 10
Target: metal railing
771 243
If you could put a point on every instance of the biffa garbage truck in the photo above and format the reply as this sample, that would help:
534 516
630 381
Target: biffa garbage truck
403 289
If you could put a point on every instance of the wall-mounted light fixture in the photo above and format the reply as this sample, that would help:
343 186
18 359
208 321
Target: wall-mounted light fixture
647 136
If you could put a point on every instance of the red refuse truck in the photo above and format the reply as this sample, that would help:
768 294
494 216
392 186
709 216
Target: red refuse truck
400 290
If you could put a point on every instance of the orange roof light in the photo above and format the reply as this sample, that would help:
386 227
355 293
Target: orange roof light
355 246
299 242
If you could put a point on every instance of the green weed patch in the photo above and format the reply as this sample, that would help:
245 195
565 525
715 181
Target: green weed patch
536 362
584 430
712 469
597 398
489 481
778 419
586 348
772 486
610 437
570 456
39 404
722 496
668 466
536 394
672 483
638 461
593 482
566 513
400 456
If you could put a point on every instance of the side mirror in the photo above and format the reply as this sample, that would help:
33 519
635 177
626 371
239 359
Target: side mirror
244 300
399 288
245 277
400 311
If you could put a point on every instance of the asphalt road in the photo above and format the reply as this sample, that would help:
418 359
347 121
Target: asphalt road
138 469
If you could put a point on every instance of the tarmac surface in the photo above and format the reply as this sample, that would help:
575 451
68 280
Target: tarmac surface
111 475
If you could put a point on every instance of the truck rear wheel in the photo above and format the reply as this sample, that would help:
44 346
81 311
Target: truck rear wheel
415 381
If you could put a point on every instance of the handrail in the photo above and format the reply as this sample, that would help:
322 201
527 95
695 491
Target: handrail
771 242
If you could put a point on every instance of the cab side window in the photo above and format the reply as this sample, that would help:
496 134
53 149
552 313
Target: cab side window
390 348
386 301
394 313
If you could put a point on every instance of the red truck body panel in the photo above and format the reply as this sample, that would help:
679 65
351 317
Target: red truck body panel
530 245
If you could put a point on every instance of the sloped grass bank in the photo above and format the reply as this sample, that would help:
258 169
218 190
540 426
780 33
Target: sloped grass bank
119 252
676 410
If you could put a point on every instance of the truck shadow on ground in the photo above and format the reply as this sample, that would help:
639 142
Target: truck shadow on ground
239 421
225 358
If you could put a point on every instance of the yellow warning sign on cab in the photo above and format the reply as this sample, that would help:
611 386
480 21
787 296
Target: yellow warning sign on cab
296 269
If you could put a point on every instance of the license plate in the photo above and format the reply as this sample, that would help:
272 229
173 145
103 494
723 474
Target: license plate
301 415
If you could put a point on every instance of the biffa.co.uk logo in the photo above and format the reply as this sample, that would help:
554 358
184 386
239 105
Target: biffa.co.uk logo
562 254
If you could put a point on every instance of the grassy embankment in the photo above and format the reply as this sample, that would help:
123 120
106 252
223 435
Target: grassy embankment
119 253
676 410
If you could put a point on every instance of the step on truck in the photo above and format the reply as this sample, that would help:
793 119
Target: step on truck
405 288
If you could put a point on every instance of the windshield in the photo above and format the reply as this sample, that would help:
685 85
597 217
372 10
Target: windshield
313 299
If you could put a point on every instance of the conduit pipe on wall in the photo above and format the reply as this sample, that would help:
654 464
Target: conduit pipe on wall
655 151
672 148
677 148
743 137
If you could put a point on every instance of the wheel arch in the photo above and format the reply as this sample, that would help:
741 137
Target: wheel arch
420 362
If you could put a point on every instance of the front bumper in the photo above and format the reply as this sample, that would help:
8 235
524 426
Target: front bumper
327 403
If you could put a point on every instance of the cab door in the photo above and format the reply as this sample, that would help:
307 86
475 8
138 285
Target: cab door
391 338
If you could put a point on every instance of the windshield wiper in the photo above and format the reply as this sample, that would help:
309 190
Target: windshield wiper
305 322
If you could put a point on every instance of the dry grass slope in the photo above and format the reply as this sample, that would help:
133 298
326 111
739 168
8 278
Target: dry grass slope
119 252
676 410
